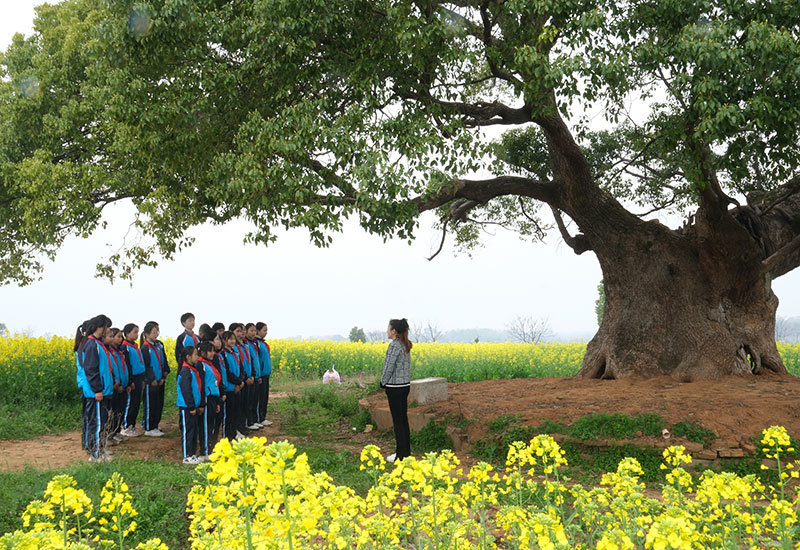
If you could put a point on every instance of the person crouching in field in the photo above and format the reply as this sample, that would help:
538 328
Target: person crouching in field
396 379
213 381
96 381
135 360
122 387
191 404
156 370
265 357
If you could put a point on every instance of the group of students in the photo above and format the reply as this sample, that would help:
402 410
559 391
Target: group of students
222 383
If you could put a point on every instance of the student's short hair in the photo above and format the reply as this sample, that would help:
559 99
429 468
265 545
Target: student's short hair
127 329
248 325
227 335
186 352
186 316
216 326
260 325
234 326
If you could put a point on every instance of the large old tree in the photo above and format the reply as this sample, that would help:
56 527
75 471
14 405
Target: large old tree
299 113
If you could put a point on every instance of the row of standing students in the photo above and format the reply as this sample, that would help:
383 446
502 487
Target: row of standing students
223 383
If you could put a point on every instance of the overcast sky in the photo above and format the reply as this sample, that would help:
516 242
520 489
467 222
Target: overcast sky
301 290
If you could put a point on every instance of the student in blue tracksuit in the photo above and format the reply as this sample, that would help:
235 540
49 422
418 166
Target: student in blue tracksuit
96 381
254 422
121 382
234 386
247 369
187 337
219 363
135 360
213 381
191 403
156 369
265 358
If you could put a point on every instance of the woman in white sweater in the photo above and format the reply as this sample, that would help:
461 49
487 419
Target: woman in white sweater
396 380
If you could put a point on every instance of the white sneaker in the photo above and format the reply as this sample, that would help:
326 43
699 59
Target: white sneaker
153 433
254 426
239 435
202 458
118 437
158 430
105 456
391 458
130 431
266 423
191 460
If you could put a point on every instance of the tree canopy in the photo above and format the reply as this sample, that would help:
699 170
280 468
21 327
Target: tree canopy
300 113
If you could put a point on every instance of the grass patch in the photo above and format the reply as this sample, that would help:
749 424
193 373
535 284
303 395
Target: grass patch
588 464
28 422
433 437
503 430
158 490
610 426
693 431
318 407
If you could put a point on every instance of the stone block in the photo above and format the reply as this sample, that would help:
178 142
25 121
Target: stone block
705 454
460 439
428 390
730 453
382 418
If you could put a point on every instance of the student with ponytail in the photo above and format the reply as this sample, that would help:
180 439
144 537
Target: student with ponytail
249 343
156 370
396 379
135 360
96 380
219 364
191 403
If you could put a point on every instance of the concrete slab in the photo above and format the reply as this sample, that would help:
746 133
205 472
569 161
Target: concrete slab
382 418
428 390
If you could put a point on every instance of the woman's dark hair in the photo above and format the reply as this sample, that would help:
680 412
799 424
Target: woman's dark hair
206 346
400 326
217 326
148 328
127 329
186 352
227 335
248 325
234 326
186 316
260 325
114 331
88 328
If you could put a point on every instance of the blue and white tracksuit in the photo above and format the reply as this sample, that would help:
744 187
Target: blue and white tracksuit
156 370
209 421
135 360
191 397
95 376
265 361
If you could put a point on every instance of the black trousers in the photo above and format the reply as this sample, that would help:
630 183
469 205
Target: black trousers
206 425
263 397
95 418
118 401
133 401
251 403
188 425
398 406
153 406
232 409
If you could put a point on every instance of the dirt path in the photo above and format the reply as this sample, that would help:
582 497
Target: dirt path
736 408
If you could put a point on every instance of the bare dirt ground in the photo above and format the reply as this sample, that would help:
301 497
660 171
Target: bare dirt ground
736 408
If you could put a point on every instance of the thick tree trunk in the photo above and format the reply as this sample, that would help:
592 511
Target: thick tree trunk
691 305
